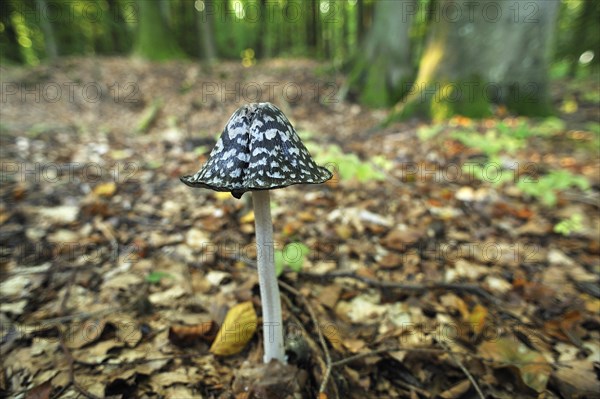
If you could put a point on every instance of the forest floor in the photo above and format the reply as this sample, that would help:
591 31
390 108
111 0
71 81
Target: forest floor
456 260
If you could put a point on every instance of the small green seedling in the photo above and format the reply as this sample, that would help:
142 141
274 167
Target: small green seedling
292 256
573 224
155 277
546 188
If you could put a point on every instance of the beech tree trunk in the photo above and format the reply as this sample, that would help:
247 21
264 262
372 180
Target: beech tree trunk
206 33
382 69
154 40
49 39
482 53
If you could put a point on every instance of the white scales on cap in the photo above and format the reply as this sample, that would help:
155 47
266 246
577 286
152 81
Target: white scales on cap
258 150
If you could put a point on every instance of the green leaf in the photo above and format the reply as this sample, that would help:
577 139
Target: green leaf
155 277
279 263
291 256
574 224
294 255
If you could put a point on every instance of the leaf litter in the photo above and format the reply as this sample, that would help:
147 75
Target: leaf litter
117 280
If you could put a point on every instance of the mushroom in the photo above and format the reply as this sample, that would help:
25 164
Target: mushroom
258 151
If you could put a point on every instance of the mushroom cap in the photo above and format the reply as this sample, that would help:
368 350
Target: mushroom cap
258 150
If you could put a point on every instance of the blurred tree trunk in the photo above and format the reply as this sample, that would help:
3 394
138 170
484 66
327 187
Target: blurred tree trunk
487 52
46 26
119 35
263 43
206 33
312 26
154 40
165 10
383 67
360 27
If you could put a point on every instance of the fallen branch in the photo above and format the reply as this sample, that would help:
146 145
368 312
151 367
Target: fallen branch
470 288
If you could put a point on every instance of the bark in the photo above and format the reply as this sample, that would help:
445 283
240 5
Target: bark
154 40
46 26
383 67
206 33
312 25
484 52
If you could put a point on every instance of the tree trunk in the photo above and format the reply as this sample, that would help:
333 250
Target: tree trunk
206 33
360 27
484 52
312 22
49 39
382 69
154 40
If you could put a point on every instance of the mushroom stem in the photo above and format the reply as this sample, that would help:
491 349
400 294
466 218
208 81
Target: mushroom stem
267 279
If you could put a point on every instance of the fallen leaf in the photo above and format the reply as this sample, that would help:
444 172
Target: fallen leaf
343 231
247 218
400 240
577 379
105 189
87 333
185 335
41 391
457 390
222 195
477 318
237 329
197 239
59 214
565 327
533 368
354 345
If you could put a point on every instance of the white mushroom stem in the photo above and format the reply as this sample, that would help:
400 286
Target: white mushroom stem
267 279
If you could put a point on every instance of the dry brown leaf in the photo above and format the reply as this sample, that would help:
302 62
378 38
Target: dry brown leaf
237 329
533 368
577 379
401 240
457 390
330 295
354 345
185 335
565 327
41 391
87 333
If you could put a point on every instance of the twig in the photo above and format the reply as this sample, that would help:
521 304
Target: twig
470 288
72 380
375 352
63 303
315 321
464 370
313 345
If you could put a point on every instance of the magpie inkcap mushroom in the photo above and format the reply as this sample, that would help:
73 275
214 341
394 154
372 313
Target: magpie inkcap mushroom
259 149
